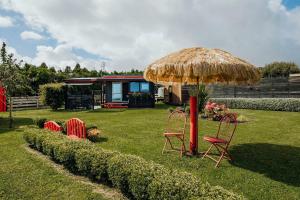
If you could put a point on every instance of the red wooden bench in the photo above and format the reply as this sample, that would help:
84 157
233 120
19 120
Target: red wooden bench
52 126
76 128
116 105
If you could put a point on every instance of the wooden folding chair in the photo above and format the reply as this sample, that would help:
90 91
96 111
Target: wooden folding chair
176 126
226 130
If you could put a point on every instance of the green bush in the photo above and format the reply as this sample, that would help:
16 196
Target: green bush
99 165
40 122
275 104
279 69
65 153
140 178
172 184
63 125
203 97
52 94
131 174
134 176
84 158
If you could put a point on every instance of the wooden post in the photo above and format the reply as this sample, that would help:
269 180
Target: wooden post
37 102
10 112
193 125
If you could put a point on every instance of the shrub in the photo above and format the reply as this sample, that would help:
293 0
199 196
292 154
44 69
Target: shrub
84 158
217 192
63 125
40 122
275 104
52 94
172 184
279 69
65 153
51 142
99 165
203 97
119 171
131 174
134 176
93 135
140 178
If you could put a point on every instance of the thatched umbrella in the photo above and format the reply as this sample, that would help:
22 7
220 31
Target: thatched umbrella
193 66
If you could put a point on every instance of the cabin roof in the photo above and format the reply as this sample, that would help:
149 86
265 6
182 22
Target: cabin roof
105 78
123 77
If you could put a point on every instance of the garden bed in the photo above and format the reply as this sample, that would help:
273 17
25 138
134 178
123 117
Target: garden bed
134 176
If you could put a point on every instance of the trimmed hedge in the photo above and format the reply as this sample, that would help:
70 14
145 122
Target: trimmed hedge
275 104
134 176
40 122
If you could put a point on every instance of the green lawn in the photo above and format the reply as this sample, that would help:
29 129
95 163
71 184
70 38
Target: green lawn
266 153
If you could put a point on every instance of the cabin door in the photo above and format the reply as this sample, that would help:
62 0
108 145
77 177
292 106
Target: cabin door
117 92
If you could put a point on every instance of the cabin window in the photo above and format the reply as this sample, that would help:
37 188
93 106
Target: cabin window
139 87
134 86
116 91
144 87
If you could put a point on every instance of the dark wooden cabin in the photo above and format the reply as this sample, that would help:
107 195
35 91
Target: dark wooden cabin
117 91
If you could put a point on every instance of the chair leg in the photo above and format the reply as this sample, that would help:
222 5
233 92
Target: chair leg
205 154
169 141
221 157
228 155
164 146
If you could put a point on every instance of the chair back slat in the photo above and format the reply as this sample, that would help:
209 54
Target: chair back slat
227 126
76 127
52 126
176 122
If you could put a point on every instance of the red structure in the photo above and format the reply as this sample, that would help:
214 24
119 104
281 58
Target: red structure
115 105
193 125
223 138
76 127
53 126
2 99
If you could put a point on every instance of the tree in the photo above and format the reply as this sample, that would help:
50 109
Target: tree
77 70
11 78
280 69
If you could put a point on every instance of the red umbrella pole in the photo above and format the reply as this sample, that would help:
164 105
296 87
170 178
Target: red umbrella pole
193 125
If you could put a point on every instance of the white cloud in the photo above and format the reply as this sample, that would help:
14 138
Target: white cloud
134 33
29 35
6 21
61 56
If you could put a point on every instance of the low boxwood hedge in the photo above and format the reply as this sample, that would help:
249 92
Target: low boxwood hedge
275 104
136 177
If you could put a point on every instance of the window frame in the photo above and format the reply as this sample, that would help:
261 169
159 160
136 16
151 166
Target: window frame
112 92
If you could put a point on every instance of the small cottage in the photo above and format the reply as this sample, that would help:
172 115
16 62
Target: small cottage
116 91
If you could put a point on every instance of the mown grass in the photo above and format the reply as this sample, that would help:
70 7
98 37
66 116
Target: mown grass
266 150
25 176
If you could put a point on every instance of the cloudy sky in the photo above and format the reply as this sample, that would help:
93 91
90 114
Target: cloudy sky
132 33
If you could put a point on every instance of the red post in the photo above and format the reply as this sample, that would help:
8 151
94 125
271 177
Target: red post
193 125
2 99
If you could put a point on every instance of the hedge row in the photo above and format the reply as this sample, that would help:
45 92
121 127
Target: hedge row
134 176
276 104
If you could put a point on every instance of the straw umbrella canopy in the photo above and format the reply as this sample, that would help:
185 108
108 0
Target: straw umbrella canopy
200 65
